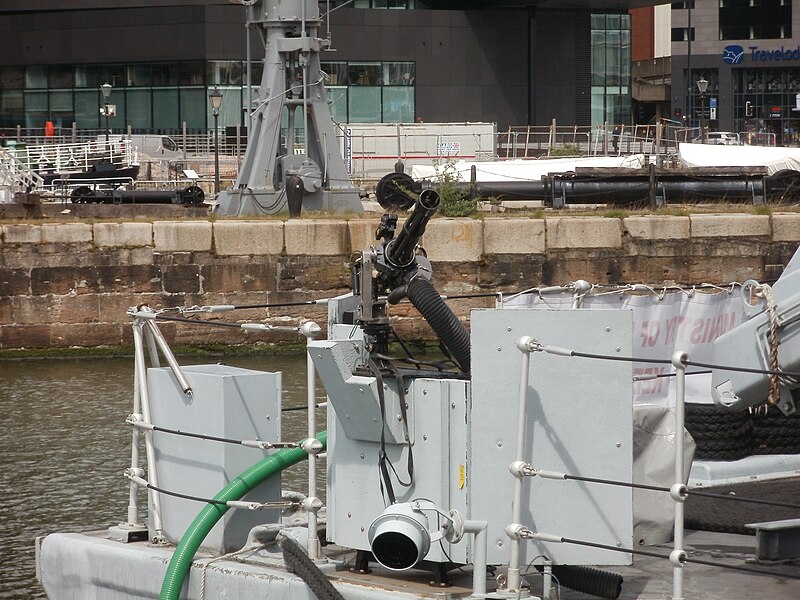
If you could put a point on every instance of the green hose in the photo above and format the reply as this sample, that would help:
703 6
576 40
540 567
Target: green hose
184 554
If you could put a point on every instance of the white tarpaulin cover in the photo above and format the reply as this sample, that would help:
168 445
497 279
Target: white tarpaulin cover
772 157
522 170
663 324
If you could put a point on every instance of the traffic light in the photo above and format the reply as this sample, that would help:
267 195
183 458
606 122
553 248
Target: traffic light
748 108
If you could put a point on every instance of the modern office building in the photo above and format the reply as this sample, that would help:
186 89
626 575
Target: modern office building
748 52
513 62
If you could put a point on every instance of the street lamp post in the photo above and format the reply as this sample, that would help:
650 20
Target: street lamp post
702 87
106 90
215 97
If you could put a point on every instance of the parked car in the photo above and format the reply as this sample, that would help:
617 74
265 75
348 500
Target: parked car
719 138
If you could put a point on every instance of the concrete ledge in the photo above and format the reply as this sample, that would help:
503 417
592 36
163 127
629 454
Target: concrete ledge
182 236
237 238
786 227
514 236
730 225
454 240
306 237
657 227
583 232
21 234
66 233
130 235
362 233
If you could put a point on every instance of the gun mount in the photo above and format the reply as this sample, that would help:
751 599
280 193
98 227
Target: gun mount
278 172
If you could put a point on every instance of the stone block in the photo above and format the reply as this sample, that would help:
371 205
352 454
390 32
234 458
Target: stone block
583 232
306 237
6 310
513 236
129 235
82 308
730 225
61 281
35 310
87 335
232 238
66 233
657 227
329 275
453 240
21 234
182 279
786 227
362 233
182 236
14 282
125 278
24 336
236 277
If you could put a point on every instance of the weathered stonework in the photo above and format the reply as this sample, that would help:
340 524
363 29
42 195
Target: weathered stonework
73 286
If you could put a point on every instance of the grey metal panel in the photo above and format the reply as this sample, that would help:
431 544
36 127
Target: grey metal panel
579 422
227 402
437 412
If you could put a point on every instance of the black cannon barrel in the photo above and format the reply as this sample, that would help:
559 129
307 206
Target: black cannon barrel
399 252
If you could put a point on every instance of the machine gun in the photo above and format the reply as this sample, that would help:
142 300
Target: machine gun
393 270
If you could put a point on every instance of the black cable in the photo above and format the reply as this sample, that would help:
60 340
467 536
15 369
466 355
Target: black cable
162 317
687 492
685 559
188 497
742 369
661 361
213 438
742 499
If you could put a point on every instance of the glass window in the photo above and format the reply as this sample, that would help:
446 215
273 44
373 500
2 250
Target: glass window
225 72
138 109
61 110
337 101
363 73
12 78
87 109
12 109
165 108
744 19
193 107
165 74
336 71
398 104
398 73
35 77
113 74
364 103
35 109
192 73
61 76
138 76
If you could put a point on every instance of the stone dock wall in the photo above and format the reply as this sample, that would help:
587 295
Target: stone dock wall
70 284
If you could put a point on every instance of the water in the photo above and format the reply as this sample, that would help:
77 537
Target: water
64 446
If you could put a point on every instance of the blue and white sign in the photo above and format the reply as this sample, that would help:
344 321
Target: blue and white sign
733 54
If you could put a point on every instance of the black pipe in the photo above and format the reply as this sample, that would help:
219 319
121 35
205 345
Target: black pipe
602 584
449 329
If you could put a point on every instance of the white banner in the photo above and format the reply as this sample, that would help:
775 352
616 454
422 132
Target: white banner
679 321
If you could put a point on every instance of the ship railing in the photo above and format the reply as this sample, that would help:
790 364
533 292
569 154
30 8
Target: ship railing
678 491
15 175
150 343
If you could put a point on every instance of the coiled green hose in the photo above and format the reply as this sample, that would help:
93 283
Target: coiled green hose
184 554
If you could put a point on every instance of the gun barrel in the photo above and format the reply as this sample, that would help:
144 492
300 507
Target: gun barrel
400 251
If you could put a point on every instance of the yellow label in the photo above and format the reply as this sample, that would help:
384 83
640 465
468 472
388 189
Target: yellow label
462 476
